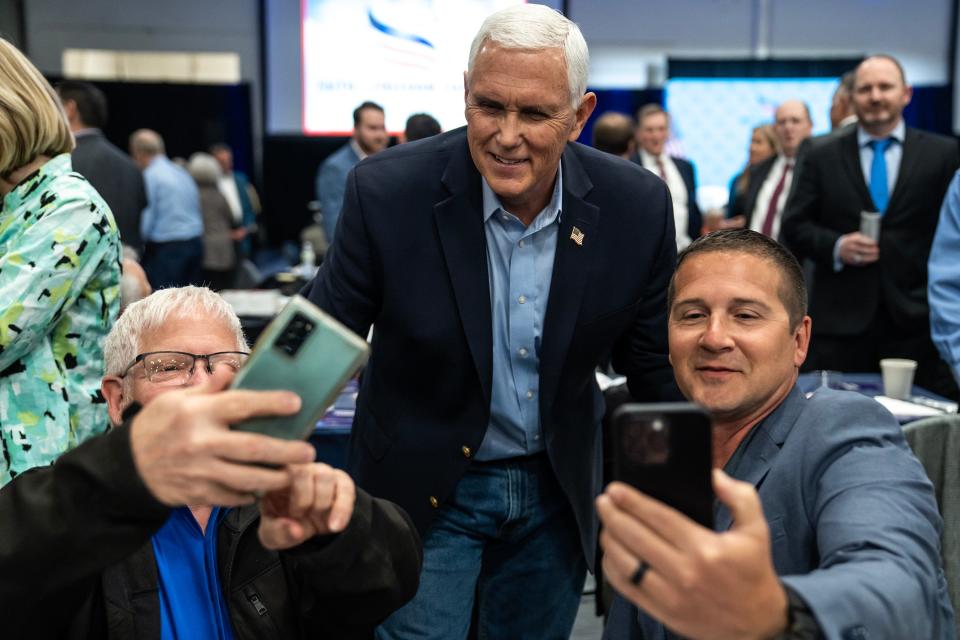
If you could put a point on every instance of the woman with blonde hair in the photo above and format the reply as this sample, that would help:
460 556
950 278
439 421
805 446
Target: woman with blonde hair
59 278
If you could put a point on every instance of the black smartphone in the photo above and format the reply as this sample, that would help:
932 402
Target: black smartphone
664 450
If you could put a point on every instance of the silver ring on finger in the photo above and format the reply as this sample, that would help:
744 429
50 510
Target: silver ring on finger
856 258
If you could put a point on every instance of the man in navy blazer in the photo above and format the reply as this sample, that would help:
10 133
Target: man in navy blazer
826 526
498 264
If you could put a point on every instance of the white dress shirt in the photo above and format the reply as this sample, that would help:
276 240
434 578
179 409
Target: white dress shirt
759 213
678 193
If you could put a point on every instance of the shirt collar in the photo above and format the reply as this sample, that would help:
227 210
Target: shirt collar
53 167
357 150
898 134
648 158
491 203
89 131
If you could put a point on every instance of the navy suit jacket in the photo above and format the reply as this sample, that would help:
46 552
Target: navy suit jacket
854 525
410 257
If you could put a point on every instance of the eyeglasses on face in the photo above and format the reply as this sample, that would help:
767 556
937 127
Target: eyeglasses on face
176 367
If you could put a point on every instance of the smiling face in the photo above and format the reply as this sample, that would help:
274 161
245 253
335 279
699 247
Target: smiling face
652 133
519 119
731 344
879 95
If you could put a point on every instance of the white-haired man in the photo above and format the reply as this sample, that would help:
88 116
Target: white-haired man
314 558
522 260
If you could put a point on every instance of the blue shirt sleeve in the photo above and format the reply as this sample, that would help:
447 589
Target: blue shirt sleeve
944 286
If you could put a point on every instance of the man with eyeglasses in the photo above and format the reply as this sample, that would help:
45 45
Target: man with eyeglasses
302 562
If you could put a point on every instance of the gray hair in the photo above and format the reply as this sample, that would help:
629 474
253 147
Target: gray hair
532 27
204 168
147 142
123 342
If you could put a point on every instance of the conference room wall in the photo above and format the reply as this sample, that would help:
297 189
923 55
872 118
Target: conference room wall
51 26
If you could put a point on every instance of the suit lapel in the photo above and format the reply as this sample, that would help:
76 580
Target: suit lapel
763 448
571 268
850 156
908 164
459 221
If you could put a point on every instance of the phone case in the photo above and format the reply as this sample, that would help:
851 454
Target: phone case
664 451
306 351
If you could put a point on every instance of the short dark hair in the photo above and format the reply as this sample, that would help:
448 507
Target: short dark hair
793 289
649 110
90 101
217 147
421 125
613 132
367 104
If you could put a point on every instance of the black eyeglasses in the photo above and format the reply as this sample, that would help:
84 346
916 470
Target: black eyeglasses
176 367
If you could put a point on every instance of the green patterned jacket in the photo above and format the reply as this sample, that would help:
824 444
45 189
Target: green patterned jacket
59 296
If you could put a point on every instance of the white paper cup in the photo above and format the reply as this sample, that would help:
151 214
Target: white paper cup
898 377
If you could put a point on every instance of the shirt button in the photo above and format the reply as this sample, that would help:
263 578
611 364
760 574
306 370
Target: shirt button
522 299
466 451
529 394
522 244
504 217
434 502
522 351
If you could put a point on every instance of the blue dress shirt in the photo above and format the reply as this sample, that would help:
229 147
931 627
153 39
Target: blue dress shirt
173 203
944 287
191 597
520 268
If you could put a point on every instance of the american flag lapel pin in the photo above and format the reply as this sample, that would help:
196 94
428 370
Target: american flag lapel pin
577 236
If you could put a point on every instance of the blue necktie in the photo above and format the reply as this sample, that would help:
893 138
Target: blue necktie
878 174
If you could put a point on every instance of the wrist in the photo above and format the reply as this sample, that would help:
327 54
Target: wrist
777 620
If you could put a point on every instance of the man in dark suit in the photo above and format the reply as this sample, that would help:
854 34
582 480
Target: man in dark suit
111 172
869 300
498 264
761 205
825 526
653 129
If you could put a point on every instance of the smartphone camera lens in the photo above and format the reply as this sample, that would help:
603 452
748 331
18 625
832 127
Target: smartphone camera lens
294 335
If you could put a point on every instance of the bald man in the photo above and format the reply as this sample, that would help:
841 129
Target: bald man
763 202
171 225
869 300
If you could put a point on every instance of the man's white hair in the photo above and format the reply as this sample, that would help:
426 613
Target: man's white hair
531 27
123 342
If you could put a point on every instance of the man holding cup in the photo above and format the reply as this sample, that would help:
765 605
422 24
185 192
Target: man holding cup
869 299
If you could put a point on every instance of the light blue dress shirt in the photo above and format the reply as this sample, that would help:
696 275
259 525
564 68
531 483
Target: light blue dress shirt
893 155
173 209
944 287
520 268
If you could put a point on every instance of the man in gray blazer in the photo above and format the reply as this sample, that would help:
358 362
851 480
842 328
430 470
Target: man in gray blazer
825 524
111 172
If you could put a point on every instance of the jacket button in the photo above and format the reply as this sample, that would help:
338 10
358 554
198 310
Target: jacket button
434 502
466 451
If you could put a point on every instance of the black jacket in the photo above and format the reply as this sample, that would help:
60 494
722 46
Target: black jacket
113 174
76 559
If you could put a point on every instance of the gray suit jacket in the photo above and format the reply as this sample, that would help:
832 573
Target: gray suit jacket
113 174
853 522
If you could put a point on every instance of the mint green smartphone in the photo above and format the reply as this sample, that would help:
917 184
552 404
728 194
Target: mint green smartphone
306 351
